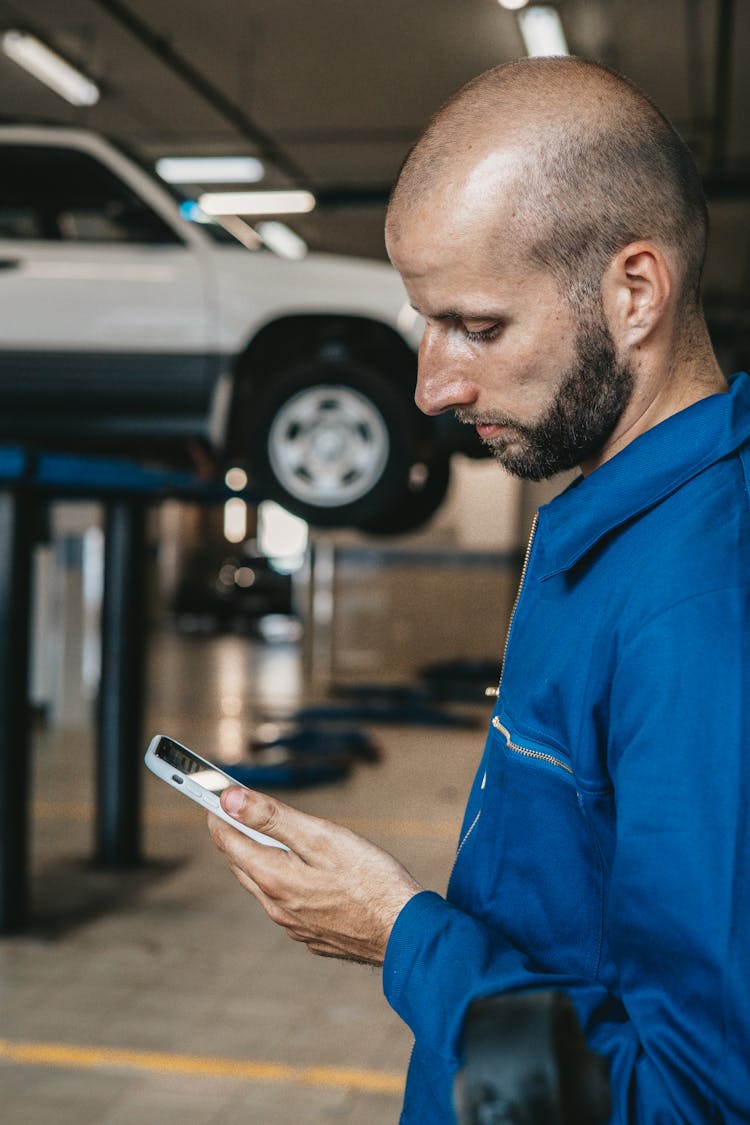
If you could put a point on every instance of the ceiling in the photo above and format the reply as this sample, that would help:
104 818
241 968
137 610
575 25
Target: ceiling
333 93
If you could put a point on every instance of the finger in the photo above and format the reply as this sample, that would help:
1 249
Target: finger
304 834
297 935
227 839
333 953
264 872
241 853
271 906
246 880
234 843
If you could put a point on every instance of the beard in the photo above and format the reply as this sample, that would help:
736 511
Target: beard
588 404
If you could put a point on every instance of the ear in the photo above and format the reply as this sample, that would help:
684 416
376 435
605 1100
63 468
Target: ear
636 290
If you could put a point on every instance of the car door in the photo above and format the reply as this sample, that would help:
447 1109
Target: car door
103 306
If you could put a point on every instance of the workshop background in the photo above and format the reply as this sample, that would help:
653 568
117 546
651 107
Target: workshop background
338 660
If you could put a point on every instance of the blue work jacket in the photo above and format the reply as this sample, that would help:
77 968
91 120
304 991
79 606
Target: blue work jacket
606 843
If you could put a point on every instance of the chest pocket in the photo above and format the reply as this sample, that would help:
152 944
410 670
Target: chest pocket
531 866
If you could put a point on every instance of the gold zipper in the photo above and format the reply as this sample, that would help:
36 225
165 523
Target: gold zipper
468 833
492 691
495 691
538 754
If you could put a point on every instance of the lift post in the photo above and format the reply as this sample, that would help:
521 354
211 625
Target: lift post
16 528
122 687
127 489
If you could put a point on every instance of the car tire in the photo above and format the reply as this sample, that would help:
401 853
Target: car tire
426 488
333 442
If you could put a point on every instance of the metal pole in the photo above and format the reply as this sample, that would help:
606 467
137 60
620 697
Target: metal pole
16 526
121 698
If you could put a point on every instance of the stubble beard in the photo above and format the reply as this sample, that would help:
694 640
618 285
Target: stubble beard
589 402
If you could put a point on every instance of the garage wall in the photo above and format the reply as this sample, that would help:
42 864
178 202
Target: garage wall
445 592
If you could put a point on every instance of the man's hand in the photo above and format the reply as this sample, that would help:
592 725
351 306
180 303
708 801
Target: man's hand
334 891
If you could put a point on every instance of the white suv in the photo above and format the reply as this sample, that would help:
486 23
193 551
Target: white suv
126 326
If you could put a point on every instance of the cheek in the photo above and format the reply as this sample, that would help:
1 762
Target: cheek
523 376
542 357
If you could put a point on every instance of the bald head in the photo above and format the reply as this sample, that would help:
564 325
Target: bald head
583 162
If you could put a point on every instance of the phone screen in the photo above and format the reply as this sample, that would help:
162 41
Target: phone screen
188 763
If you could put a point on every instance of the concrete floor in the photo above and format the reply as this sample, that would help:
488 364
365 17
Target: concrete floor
164 995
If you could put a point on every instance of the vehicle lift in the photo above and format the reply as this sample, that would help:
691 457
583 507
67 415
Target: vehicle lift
126 489
524 1058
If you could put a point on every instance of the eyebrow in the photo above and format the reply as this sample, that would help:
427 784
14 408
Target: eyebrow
465 314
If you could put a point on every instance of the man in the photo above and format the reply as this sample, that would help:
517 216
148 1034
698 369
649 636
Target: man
550 228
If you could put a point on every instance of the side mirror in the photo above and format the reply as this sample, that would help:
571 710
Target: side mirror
526 1063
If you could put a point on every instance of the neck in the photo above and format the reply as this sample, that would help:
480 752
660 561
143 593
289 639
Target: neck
666 381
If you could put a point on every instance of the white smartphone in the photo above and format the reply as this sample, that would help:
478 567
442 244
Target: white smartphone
198 779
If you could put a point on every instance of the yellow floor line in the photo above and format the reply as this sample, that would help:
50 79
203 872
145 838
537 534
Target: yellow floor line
76 1057
412 829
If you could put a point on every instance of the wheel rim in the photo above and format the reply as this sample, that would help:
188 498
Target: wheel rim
328 446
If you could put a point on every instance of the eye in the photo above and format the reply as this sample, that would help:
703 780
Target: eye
483 335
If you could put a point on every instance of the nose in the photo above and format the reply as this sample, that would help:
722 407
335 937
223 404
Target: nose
441 383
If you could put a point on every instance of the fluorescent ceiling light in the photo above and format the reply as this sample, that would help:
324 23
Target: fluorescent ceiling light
257 202
210 169
512 5
39 60
542 31
282 240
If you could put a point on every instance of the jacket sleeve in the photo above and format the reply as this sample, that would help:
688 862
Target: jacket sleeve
674 1019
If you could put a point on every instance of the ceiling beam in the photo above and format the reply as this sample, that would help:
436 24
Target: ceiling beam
266 147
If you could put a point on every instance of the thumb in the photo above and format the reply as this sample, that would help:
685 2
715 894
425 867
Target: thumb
265 814
233 802
256 810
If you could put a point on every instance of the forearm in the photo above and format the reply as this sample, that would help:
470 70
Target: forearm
440 959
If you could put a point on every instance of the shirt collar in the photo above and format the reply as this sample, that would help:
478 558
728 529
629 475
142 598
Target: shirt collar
643 473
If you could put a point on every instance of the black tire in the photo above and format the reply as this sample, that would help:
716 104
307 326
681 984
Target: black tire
423 495
333 442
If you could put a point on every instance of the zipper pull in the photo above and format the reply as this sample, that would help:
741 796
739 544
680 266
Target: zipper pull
492 692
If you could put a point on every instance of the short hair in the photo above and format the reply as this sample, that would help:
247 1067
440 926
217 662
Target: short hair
601 167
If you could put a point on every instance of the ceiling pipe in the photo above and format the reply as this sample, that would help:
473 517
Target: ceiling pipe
722 85
268 149
726 189
375 195
694 47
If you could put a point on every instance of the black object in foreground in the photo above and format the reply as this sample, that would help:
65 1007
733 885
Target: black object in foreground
526 1063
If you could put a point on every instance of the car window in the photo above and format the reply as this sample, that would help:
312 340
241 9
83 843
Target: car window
58 194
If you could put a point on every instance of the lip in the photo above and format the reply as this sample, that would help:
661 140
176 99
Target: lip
487 431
